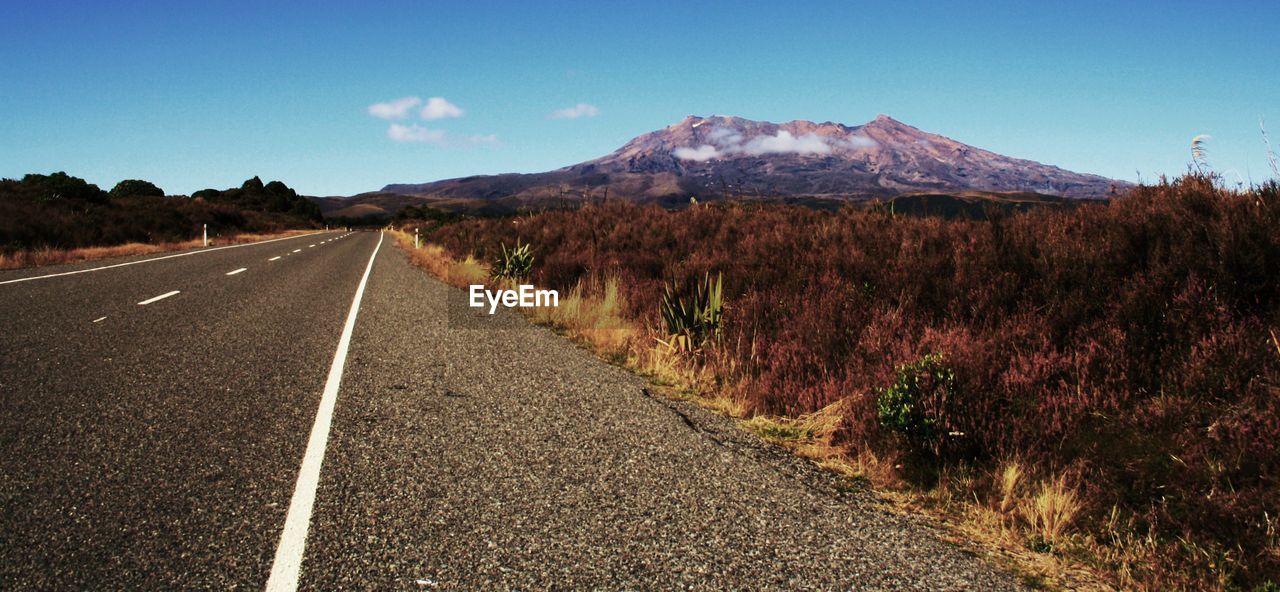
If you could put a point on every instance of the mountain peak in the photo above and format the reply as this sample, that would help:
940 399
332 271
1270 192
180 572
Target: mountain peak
883 121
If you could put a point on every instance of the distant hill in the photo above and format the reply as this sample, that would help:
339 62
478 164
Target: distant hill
722 157
60 211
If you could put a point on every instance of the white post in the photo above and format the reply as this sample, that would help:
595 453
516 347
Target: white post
415 238
206 234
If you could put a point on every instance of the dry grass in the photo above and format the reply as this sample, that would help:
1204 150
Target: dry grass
1053 509
809 435
435 260
1014 523
47 256
592 312
1010 480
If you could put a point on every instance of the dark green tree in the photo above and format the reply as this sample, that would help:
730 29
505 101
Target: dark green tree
60 185
136 187
278 188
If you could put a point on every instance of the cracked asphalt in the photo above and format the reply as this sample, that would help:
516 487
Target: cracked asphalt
158 449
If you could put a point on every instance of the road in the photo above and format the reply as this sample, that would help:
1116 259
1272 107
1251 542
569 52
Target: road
155 417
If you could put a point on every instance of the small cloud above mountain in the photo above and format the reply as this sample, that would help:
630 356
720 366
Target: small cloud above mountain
394 109
434 108
416 134
439 108
575 112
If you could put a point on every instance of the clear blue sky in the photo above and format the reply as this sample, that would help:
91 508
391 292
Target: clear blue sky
205 94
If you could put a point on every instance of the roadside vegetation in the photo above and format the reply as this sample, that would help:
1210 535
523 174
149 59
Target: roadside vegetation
1097 386
58 218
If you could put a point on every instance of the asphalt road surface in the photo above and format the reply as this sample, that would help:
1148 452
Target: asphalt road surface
155 418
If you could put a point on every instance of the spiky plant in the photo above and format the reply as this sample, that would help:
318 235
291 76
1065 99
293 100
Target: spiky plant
693 323
515 263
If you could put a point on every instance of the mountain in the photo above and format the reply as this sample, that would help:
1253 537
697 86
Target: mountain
721 157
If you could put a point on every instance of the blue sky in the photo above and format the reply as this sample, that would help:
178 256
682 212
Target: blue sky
205 94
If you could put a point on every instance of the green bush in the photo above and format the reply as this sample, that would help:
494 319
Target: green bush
693 323
514 264
903 408
56 187
136 187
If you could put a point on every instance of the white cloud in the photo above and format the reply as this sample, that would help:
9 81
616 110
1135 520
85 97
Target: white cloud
574 112
438 108
415 133
784 142
395 109
727 142
725 136
702 153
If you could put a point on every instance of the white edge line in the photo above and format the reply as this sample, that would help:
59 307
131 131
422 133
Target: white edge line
195 252
235 271
293 540
158 298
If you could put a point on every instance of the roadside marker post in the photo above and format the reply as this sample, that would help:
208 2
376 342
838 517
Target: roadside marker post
415 238
205 228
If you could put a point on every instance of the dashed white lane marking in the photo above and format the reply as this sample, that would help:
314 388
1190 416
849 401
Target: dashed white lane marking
233 272
293 540
40 277
99 320
311 245
158 298
274 258
297 250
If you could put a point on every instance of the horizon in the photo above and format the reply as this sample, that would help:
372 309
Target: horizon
341 100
